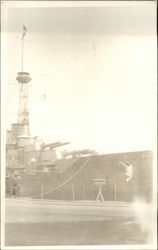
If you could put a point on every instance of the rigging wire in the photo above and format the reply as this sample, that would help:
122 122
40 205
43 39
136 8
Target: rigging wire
66 181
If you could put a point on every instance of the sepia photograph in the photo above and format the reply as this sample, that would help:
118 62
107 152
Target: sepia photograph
78 125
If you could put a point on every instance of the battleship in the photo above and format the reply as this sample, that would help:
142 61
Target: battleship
51 171
47 184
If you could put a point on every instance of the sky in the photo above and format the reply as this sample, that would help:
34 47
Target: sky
93 73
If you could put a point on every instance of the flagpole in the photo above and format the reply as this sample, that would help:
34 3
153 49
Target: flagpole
22 52
22 46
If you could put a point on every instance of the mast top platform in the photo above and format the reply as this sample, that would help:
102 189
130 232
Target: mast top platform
23 77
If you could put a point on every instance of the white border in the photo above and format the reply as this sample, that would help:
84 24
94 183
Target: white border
4 40
44 4
96 247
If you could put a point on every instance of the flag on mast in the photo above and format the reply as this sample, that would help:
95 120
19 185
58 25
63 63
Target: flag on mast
129 170
24 31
